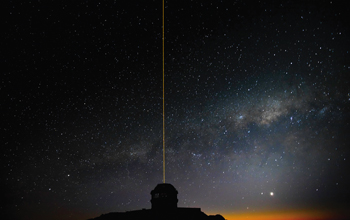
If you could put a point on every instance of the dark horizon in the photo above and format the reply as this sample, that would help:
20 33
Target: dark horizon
164 206
257 107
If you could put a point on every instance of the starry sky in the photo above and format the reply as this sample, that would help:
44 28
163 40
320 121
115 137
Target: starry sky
257 104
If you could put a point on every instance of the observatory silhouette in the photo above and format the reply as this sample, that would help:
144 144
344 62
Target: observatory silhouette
164 197
164 206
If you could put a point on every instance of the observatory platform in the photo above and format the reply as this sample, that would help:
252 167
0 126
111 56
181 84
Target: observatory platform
164 206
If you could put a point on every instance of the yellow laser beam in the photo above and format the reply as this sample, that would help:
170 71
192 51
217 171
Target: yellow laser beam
163 103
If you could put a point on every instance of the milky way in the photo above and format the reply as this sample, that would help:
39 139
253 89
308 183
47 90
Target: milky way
256 106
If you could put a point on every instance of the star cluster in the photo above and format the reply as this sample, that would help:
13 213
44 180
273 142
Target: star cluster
257 106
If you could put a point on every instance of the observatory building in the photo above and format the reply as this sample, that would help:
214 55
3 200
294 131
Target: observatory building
164 197
164 206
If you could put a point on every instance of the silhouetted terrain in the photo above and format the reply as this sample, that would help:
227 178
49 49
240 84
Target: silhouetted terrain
164 206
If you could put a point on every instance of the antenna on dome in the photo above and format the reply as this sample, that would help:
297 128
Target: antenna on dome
163 98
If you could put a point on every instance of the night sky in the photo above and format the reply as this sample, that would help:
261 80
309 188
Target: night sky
257 100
